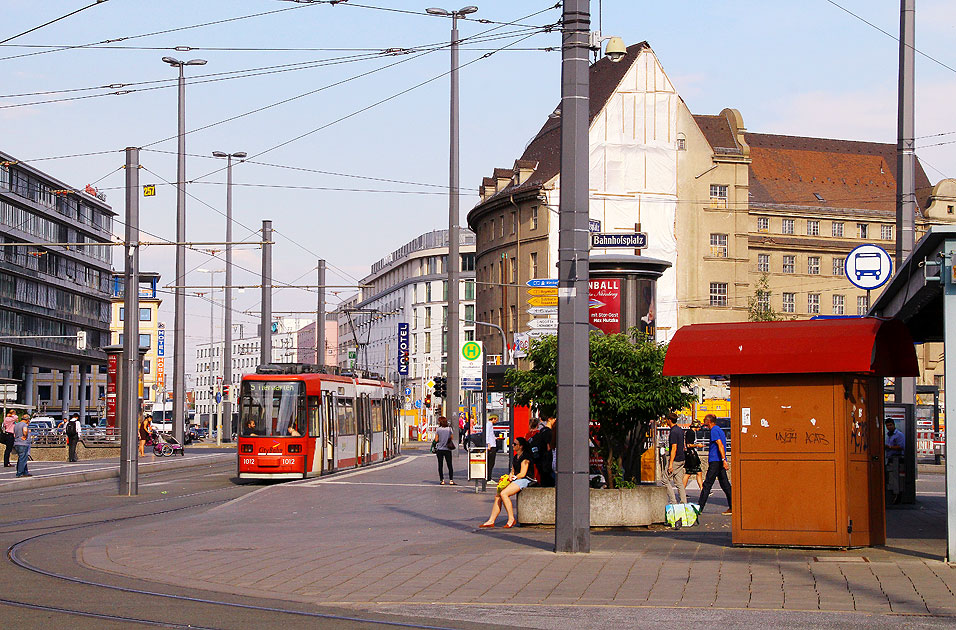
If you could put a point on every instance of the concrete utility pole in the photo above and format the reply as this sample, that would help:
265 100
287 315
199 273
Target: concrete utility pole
320 317
905 388
179 316
572 531
227 300
129 384
265 327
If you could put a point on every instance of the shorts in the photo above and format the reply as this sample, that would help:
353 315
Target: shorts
522 483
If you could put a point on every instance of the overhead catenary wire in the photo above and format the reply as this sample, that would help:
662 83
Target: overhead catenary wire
53 21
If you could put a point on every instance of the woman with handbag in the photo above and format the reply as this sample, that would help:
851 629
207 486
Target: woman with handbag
7 436
442 446
692 465
522 471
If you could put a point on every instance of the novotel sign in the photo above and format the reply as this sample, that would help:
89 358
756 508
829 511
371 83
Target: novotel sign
403 349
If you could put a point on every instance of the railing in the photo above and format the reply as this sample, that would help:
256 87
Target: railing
108 437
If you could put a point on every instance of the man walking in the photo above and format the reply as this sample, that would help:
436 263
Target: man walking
893 449
73 435
675 460
491 447
21 442
716 463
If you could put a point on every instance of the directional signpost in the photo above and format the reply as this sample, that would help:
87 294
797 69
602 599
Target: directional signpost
544 300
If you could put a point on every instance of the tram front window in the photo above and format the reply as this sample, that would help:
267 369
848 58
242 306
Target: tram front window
272 408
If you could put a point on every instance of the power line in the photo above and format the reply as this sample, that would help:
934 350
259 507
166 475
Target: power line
891 36
62 17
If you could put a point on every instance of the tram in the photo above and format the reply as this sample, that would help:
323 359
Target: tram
297 421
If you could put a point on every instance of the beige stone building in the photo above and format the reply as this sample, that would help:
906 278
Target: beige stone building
726 207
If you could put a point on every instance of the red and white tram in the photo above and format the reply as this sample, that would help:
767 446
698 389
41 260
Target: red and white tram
296 423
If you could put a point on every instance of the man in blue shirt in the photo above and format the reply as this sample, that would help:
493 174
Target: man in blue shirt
716 463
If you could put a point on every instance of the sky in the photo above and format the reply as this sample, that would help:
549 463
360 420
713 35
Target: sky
348 144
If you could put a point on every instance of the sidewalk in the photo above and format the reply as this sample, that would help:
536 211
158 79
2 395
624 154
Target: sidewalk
391 539
46 474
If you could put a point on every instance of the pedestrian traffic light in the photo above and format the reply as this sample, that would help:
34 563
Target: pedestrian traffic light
439 386
225 392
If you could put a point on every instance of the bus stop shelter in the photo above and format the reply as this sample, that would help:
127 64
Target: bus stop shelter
922 294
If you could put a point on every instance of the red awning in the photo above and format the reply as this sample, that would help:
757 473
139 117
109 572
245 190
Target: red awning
866 345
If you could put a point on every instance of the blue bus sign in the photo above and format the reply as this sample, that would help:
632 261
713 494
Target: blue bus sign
868 267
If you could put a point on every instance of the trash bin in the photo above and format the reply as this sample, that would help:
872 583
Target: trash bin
478 466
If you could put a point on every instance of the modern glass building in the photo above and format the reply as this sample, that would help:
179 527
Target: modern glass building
56 284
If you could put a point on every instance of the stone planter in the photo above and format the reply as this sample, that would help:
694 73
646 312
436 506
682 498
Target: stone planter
620 507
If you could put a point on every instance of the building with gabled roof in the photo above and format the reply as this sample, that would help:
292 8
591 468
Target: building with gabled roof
732 211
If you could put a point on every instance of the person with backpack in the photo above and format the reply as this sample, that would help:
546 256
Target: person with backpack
73 435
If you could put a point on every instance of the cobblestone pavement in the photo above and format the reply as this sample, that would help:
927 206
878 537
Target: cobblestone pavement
391 538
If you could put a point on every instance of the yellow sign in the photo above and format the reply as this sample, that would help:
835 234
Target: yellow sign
471 350
543 291
544 300
149 190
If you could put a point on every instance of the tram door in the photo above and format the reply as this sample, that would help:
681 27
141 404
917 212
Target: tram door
328 435
315 435
364 437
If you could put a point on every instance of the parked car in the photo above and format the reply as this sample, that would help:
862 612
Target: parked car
42 425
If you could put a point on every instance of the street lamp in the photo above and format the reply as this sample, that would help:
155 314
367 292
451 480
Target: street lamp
179 322
227 314
212 391
454 263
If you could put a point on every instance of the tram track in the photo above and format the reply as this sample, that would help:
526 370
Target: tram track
244 613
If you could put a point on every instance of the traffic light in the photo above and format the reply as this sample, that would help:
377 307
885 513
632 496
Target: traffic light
440 386
225 392
428 400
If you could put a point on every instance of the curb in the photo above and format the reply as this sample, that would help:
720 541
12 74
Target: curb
62 479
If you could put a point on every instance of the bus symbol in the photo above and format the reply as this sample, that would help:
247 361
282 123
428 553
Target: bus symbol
867 264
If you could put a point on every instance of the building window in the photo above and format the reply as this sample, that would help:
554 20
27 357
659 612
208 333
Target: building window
838 266
428 342
534 264
862 305
789 302
501 226
428 317
681 144
146 366
813 265
534 217
763 263
718 195
469 313
467 262
514 222
514 317
839 302
469 289
763 224
469 335
813 303
789 263
787 226
886 232
43 392
514 270
862 230
949 209
718 294
837 229
444 290
428 291
718 245
444 316
763 301
813 228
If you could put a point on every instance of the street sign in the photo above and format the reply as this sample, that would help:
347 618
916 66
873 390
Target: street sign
408 391
149 190
630 240
472 365
418 404
543 282
81 340
543 291
218 397
868 267
542 310
549 322
8 391
594 225
430 384
544 300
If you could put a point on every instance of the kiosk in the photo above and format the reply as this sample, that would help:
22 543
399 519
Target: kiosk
806 423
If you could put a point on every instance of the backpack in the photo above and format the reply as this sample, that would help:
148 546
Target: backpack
71 429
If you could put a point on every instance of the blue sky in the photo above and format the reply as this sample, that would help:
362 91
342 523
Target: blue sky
797 68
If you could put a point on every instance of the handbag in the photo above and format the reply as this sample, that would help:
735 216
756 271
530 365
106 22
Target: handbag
434 448
692 459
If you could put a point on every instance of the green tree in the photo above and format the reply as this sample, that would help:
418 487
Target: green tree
628 392
758 306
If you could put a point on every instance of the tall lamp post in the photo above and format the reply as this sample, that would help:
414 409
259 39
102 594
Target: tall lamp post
453 396
179 322
227 301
